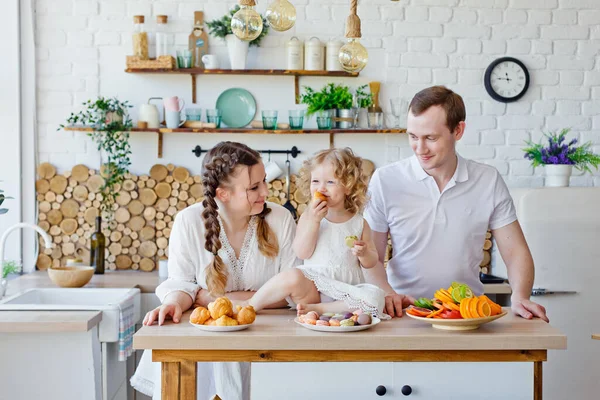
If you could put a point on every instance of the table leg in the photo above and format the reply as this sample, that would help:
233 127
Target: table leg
188 372
170 380
538 386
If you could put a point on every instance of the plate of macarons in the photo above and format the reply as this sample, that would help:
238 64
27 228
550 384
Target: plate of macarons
337 322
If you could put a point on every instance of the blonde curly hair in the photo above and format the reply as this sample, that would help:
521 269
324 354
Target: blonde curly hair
347 168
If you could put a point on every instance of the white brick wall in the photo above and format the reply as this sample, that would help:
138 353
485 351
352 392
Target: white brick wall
81 48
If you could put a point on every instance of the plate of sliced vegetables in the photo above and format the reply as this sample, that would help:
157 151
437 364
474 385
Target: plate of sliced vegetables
456 309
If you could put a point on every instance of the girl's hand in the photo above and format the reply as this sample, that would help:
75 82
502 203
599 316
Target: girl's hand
317 210
160 314
360 248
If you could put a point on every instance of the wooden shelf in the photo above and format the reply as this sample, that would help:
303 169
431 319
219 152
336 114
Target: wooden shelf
269 72
249 131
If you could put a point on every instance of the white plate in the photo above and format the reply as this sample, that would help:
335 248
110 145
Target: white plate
213 328
339 329
467 324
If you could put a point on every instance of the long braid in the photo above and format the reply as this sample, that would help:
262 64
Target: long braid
217 167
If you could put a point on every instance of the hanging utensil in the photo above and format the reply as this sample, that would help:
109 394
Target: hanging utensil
288 204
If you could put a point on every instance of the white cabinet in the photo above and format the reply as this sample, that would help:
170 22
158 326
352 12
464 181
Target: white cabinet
428 381
301 381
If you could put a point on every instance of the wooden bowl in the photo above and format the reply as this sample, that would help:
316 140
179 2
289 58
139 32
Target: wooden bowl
71 277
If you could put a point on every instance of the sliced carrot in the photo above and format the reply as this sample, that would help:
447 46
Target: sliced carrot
443 297
417 313
433 314
438 305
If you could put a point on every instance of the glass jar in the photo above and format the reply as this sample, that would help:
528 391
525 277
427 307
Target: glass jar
162 36
140 38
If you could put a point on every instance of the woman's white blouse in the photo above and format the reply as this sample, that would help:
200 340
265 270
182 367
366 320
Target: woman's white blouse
188 258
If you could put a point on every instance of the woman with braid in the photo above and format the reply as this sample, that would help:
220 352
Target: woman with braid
233 242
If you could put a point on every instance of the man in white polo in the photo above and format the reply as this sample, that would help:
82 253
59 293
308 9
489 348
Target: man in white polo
437 207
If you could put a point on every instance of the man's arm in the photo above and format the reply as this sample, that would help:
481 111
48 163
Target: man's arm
394 302
377 275
519 264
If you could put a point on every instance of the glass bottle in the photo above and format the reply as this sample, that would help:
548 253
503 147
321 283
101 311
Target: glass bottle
98 244
162 37
140 38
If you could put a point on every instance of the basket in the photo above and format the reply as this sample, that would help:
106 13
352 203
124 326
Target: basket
162 62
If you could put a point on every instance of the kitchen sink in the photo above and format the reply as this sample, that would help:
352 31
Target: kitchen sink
106 300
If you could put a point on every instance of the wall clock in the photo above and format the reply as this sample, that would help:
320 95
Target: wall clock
506 79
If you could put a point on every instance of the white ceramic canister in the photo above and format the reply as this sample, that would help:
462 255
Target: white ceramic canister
333 55
314 55
294 49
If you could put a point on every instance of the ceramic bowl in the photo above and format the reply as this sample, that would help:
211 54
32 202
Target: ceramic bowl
71 277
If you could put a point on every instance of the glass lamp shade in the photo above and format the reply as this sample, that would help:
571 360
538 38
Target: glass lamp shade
246 24
281 15
353 56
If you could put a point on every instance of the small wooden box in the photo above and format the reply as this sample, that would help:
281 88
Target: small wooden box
162 62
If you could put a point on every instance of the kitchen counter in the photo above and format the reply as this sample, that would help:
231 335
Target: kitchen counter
48 321
275 337
67 321
145 281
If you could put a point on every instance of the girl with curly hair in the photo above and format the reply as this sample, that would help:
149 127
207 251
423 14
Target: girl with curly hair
333 239
233 242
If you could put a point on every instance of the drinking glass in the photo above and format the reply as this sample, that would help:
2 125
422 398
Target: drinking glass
214 116
269 118
399 108
296 119
324 119
375 120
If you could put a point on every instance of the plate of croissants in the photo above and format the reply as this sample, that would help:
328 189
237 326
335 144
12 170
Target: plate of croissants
221 317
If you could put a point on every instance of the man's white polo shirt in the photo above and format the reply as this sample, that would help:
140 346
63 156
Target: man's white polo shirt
437 237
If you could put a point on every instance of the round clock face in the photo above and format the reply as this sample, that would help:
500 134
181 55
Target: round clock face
506 79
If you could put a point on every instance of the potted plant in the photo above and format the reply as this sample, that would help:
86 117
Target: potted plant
111 124
559 157
331 101
2 198
238 49
364 100
339 100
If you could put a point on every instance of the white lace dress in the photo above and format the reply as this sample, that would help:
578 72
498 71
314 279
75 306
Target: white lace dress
337 273
187 264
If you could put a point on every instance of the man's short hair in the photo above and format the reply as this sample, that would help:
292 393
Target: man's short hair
451 102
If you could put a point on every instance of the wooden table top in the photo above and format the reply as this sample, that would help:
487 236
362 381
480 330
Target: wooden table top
276 330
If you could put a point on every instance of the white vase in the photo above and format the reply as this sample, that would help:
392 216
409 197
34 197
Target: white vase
238 51
557 175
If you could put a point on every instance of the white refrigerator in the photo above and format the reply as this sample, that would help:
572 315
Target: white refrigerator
562 228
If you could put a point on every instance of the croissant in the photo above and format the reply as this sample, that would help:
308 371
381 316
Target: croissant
199 315
209 321
226 321
246 315
219 307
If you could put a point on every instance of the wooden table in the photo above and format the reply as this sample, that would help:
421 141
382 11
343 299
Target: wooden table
274 337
